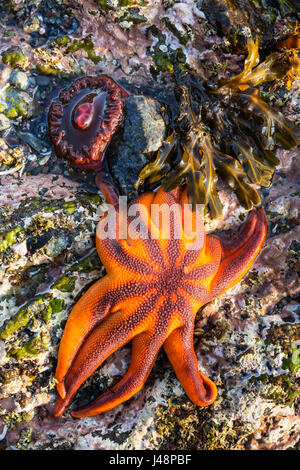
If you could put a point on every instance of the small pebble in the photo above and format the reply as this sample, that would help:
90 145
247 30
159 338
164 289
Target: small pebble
19 79
32 81
2 356
44 160
31 25
5 73
4 122
42 80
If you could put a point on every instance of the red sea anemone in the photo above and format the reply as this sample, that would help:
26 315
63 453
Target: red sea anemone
83 119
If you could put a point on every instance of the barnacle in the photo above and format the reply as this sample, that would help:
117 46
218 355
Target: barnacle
232 135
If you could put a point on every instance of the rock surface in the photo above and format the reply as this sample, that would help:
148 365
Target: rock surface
19 79
142 135
247 340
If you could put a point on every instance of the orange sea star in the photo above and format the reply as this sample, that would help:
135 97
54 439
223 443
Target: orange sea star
151 294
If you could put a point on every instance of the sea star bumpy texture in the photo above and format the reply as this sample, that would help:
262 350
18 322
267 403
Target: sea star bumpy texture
151 294
83 119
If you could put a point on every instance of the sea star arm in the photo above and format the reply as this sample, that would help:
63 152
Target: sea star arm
144 353
180 351
90 309
101 343
113 332
237 241
239 254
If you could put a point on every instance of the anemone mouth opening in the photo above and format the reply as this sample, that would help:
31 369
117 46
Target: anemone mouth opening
83 119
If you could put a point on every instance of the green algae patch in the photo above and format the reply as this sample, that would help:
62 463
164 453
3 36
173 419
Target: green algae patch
292 362
282 389
53 63
65 284
128 3
69 207
188 427
15 104
49 209
39 225
90 201
47 314
48 69
220 437
30 349
10 238
103 4
57 305
63 41
14 57
177 424
85 44
133 16
21 319
90 197
34 309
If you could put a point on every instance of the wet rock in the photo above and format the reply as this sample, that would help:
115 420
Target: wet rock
19 79
34 142
14 57
4 123
5 74
2 351
17 103
42 80
142 135
32 25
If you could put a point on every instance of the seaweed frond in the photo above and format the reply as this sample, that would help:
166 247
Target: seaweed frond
233 134
280 66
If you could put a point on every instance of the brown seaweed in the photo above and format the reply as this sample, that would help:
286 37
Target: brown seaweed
233 134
